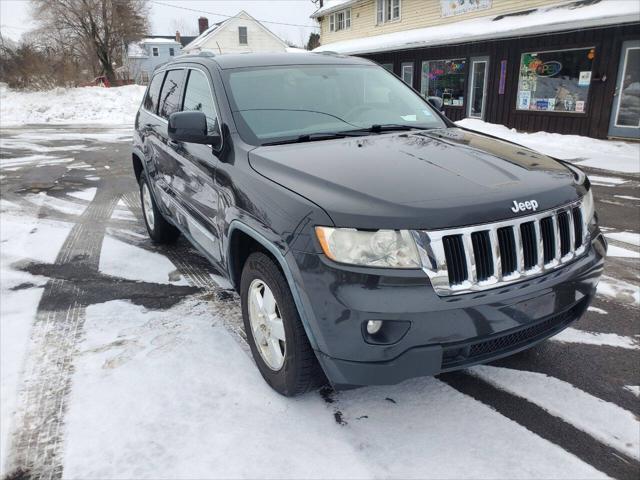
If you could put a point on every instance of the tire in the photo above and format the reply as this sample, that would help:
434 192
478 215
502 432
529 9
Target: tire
159 229
299 371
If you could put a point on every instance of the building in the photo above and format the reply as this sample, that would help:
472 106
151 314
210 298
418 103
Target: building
144 56
569 67
237 34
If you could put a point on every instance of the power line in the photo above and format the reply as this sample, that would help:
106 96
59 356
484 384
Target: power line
231 16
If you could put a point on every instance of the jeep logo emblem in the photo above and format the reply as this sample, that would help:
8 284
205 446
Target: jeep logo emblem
522 206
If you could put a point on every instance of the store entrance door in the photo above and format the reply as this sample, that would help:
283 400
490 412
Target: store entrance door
625 116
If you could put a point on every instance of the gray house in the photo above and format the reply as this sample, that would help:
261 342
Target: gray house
144 56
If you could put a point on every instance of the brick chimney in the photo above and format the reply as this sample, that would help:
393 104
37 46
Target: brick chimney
177 36
203 24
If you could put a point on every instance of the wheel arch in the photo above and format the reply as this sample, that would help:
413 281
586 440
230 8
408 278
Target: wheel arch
239 232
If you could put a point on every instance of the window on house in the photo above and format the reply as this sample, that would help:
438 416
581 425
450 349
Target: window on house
154 51
243 36
340 20
556 81
407 73
387 11
171 52
444 79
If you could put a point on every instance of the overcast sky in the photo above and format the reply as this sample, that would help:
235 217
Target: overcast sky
15 17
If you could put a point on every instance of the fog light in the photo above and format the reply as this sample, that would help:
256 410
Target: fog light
374 326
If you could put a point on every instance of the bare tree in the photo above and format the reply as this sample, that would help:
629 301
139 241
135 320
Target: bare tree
98 28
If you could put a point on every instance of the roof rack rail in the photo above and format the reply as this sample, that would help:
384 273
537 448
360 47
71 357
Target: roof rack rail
328 52
204 53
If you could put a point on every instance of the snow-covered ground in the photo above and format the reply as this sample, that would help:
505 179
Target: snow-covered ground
584 151
85 105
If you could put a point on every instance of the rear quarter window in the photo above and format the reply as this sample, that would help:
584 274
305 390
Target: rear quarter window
171 93
153 93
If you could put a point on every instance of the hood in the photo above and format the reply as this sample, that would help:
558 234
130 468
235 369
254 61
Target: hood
433 179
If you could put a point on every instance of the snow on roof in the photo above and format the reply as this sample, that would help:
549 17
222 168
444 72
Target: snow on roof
331 6
158 40
553 18
136 50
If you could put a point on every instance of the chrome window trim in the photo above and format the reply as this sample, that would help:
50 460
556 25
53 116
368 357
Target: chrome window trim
432 256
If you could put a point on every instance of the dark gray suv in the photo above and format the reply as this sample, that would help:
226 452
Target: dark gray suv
371 240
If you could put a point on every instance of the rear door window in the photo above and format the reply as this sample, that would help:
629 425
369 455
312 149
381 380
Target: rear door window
153 93
198 98
171 92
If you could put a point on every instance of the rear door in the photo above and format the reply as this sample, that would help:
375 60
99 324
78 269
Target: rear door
150 127
193 180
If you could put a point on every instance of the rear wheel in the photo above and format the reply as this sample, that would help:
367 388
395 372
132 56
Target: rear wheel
159 229
274 331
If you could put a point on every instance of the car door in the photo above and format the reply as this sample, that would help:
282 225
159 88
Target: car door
166 161
193 181
150 127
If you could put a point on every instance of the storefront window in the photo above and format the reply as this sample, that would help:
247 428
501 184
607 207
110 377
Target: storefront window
555 81
444 79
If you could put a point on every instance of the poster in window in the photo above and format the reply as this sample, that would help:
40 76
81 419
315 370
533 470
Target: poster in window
524 99
558 80
444 79
585 79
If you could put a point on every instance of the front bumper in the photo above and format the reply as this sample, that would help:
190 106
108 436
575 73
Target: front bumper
444 333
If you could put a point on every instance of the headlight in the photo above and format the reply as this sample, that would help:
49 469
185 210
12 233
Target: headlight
588 208
382 248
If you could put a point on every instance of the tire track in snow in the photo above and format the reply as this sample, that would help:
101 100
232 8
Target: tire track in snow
37 443
198 273
551 428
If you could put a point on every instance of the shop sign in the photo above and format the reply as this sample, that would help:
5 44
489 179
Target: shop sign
449 8
503 77
548 69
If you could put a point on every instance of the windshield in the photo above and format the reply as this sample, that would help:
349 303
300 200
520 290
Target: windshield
277 103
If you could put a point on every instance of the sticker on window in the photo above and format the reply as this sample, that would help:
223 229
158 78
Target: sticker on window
585 79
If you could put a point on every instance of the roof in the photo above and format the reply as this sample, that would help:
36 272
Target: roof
184 40
212 31
565 16
158 40
242 60
331 6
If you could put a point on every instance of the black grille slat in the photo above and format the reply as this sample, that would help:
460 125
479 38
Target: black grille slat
529 245
565 235
507 244
482 254
456 259
548 239
577 226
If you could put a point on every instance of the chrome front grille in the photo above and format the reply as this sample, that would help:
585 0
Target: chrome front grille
469 259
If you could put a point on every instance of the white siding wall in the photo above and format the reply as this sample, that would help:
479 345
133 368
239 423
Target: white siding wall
226 40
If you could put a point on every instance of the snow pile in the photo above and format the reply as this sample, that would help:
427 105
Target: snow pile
553 18
85 105
585 151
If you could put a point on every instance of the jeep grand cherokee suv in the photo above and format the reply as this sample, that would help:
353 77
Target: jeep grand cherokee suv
370 239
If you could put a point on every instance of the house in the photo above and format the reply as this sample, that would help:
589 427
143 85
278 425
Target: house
569 67
237 34
144 56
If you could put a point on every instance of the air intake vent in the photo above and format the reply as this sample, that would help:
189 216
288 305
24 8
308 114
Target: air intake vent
456 259
482 254
548 239
565 234
508 258
577 225
529 245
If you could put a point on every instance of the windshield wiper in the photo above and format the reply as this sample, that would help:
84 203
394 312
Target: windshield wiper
309 137
389 127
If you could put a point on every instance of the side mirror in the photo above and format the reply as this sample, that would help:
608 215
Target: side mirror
191 127
435 102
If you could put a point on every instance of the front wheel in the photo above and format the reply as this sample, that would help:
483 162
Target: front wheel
274 331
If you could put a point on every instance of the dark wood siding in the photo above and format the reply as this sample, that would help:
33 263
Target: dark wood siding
502 108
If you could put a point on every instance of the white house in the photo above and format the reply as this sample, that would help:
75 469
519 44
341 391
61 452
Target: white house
238 34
